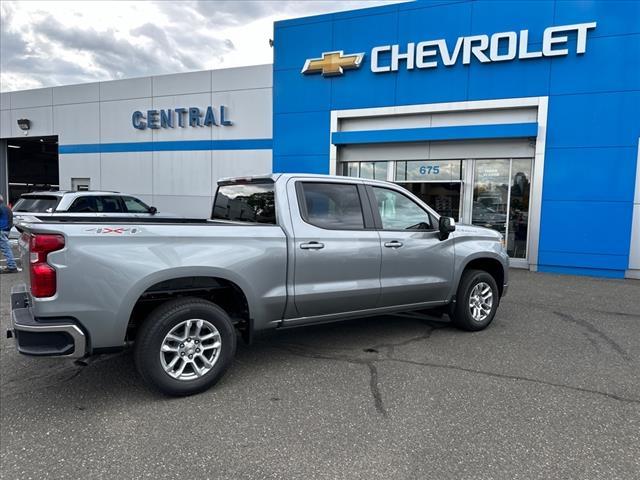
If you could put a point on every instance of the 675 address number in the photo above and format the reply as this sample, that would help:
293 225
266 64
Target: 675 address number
429 169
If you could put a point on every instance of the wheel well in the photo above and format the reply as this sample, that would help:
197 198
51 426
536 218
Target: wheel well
492 267
224 293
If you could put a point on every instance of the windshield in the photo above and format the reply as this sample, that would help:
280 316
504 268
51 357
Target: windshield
254 202
37 204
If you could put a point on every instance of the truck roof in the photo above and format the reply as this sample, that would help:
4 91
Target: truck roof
285 176
62 193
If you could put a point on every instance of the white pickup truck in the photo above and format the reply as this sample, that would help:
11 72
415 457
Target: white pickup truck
279 251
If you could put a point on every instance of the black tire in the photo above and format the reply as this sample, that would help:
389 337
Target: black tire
460 313
159 323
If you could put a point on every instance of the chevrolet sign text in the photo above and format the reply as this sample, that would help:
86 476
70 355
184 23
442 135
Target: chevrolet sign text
499 47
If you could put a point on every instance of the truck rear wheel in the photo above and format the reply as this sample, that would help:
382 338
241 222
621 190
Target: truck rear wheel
476 301
185 346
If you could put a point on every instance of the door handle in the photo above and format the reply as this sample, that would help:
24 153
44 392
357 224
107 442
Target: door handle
312 246
393 244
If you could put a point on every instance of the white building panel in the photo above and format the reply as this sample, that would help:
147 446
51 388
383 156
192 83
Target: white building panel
38 97
41 121
178 173
81 165
85 92
115 121
5 101
77 123
439 119
182 83
198 100
126 89
184 205
5 123
498 148
238 163
248 110
242 78
129 172
485 117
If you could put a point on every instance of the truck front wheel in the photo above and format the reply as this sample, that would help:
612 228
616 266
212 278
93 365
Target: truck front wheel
476 301
185 346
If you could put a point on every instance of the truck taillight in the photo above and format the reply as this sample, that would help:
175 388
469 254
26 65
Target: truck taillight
43 275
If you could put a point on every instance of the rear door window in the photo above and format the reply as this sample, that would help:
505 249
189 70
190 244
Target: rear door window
109 204
84 205
333 206
37 204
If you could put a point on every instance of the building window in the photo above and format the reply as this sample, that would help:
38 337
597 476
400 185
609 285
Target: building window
369 170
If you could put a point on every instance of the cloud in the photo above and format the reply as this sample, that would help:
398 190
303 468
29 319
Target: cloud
54 43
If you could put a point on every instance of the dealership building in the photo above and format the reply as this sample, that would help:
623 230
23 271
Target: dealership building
519 116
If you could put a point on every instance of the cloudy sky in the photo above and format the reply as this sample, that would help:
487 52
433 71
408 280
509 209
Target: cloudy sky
58 43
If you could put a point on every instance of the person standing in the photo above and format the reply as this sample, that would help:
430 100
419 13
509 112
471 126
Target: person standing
6 223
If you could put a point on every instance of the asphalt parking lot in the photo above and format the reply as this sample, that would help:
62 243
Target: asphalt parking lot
550 390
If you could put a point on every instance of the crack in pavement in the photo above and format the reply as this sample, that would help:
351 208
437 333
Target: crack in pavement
7 395
374 383
589 327
516 377
549 307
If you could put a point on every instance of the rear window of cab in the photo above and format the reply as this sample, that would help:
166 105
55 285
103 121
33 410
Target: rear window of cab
37 204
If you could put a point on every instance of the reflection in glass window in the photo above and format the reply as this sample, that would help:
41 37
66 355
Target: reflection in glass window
351 169
335 206
444 198
373 170
134 205
429 170
254 202
490 194
519 208
370 170
399 212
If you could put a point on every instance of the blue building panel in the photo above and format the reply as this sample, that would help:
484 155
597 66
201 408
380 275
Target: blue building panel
526 78
295 96
617 59
590 174
592 126
300 42
306 134
532 15
594 120
448 21
615 17
588 228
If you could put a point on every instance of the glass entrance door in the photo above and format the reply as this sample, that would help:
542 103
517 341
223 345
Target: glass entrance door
501 192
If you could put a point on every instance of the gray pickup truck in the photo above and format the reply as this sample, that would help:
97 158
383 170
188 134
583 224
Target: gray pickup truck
279 251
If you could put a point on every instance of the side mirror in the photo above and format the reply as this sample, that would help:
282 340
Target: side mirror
446 225
153 210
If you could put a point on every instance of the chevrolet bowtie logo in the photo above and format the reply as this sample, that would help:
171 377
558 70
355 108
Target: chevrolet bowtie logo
333 63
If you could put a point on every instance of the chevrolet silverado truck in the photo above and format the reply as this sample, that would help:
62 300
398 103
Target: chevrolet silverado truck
279 251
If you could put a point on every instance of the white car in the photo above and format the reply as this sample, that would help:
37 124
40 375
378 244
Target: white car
32 207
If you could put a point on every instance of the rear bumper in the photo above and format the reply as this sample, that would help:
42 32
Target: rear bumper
50 338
